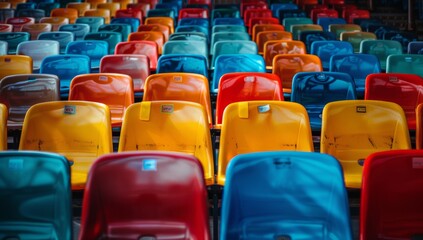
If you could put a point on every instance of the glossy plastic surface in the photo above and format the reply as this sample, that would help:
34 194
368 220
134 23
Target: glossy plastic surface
326 49
296 29
130 13
355 38
185 124
13 39
93 22
181 87
404 89
277 210
111 6
4 27
37 14
390 196
55 22
36 196
319 13
81 131
193 28
191 36
353 129
186 47
224 13
62 37
308 37
78 29
65 67
94 49
246 86
204 22
81 7
228 28
147 48
15 64
112 38
122 28
415 47
161 195
230 63
156 27
261 20
256 13
35 29
228 21
291 13
227 36
114 90
405 63
3 127
288 22
258 28
358 66
419 126
284 125
133 22
167 21
337 29
233 47
275 47
48 7
103 13
315 90
70 13
193 13
264 36
275 7
19 92
134 65
155 36
18 22
38 50
326 22
186 63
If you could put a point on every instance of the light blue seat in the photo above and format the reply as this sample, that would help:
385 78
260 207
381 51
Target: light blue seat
233 47
187 63
314 89
13 39
325 22
285 195
35 195
229 63
186 47
133 22
326 49
66 67
38 50
62 37
79 30
3 48
358 66
188 36
112 38
93 22
122 28
94 49
228 28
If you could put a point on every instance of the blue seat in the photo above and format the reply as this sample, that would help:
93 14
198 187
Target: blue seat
380 30
174 6
35 195
308 37
193 28
48 7
133 22
381 49
203 22
187 63
188 36
366 22
122 28
262 200
403 37
79 30
233 47
291 13
94 49
26 5
13 39
325 49
93 22
228 28
415 47
62 37
325 22
6 13
288 22
37 14
314 89
112 38
227 36
226 12
358 66
164 12
228 21
282 6
66 67
229 63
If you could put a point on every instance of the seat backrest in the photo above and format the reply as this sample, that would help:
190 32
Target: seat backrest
70 13
274 47
265 36
415 47
233 47
15 64
148 196
148 48
135 65
288 22
112 38
246 86
157 27
337 29
404 89
79 130
93 22
325 49
3 126
353 129
186 126
228 28
405 63
62 37
296 29
122 28
186 47
36 196
13 39
327 21
18 22
168 21
355 38
419 126
314 90
37 88
98 12
228 21
133 22
225 36
34 29
187 63
285 125
38 50
258 28
203 22
55 22
390 205
114 90
310 36
277 208
94 49
154 36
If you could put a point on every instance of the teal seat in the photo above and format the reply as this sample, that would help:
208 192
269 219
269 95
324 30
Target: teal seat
405 63
13 39
35 195
381 48
233 47
223 36
228 28
62 37
78 29
122 28
186 47
112 38
94 49
288 22
93 22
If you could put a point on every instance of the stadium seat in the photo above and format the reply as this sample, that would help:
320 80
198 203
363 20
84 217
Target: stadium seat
112 38
186 47
92 21
122 28
94 49
34 29
265 36
156 27
62 37
38 50
326 22
15 64
154 36
405 63
326 49
186 63
233 47
13 39
275 47
147 48
355 38
337 29
308 37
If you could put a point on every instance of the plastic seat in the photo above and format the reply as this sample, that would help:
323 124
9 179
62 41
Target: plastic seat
4 27
36 196
55 22
314 90
230 63
181 87
296 29
162 12
265 36
18 22
78 29
337 29
186 126
38 50
228 36
186 47
80 131
122 28
358 66
103 13
62 37
228 21
203 22
3 127
37 14
224 13
6 14
287 65
275 7
13 39
143 202
153 36
48 7
193 13
277 208
93 22
94 49
355 38
114 90
275 47
134 65
291 13
353 129
15 64
291 130
130 13
194 28
261 20
233 47
112 38
246 86
403 37
3 48
244 6
326 49
396 174
326 22
256 13
326 13
415 47
186 63
94 3
66 67
147 48
190 36
144 7
133 22
70 13
403 89
81 7
350 15
167 21
156 27
419 126
228 28
288 22
258 28
308 37
111 6
381 48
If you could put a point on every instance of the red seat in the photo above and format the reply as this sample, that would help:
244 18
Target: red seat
148 48
129 13
158 195
193 13
253 13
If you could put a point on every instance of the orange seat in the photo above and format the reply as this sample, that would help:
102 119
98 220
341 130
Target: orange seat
36 28
111 6
265 27
71 13
156 27
168 21
275 47
104 13
155 36
94 3
55 22
265 36
81 7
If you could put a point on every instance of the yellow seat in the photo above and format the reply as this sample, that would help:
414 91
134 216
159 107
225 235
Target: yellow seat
15 64
94 3
256 126
177 126
55 22
3 127
353 129
79 130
